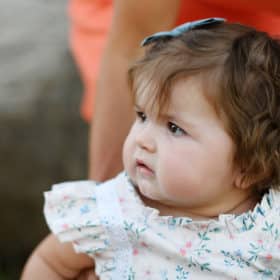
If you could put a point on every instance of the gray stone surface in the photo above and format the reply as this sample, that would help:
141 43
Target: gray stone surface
42 138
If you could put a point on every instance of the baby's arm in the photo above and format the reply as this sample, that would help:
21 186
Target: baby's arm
55 260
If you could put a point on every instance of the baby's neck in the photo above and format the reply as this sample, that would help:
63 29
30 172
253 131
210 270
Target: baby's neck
165 210
246 205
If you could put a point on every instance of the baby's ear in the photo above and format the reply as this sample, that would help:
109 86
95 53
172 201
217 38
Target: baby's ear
244 181
241 181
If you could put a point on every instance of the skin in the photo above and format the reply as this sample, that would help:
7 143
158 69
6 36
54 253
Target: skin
170 157
55 260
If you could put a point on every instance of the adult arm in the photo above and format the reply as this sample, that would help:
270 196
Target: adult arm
57 261
113 112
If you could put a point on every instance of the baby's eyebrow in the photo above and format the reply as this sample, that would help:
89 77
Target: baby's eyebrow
177 118
167 116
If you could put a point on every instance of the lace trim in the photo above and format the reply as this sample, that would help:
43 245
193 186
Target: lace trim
111 218
239 223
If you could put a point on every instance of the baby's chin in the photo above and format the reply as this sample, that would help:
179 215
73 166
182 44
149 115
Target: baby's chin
149 193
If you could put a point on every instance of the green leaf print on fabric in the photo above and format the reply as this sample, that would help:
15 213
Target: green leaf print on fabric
268 227
194 263
181 273
131 275
235 259
203 236
255 251
134 230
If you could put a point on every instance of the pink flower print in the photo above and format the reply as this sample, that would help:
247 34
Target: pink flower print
65 197
260 241
65 226
148 272
143 244
268 257
135 252
121 199
183 252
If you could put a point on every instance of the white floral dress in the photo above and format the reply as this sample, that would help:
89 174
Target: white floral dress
128 240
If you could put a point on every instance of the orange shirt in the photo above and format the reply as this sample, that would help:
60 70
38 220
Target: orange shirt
233 11
91 19
89 25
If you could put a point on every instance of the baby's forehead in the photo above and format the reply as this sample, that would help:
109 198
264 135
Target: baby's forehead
187 96
152 93
148 102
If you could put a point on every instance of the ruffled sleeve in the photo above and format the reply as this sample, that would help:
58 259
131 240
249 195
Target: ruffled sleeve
71 213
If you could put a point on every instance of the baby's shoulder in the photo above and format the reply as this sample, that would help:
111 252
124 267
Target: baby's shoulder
78 211
86 188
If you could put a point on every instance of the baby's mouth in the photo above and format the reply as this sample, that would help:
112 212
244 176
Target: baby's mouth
144 168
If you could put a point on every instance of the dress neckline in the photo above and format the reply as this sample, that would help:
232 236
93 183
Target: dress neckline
240 223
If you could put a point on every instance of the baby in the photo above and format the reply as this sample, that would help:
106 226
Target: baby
199 197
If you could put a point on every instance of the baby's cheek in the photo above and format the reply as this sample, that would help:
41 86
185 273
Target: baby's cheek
178 177
171 173
127 154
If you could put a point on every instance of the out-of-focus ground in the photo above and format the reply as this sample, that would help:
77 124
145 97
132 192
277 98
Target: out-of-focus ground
42 138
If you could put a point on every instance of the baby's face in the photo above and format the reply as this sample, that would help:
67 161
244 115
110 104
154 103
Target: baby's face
184 157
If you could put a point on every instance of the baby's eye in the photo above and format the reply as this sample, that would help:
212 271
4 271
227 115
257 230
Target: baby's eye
174 129
141 116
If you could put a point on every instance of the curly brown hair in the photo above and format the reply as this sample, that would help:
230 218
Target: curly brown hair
240 70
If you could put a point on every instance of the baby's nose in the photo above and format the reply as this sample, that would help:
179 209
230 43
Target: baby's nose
145 139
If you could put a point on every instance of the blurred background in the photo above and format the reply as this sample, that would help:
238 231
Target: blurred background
42 137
